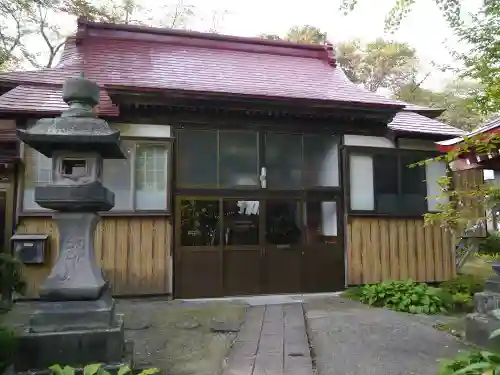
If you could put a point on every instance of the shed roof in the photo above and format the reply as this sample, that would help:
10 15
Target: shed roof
140 58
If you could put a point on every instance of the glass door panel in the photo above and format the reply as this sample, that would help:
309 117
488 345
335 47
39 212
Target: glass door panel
323 258
241 223
198 248
283 245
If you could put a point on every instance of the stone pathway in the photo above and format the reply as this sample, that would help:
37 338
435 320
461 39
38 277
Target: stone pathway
348 338
272 340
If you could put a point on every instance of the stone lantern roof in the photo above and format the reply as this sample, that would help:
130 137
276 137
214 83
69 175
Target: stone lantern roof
78 128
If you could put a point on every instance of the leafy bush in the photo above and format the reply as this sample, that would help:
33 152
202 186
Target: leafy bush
10 274
462 289
467 284
475 362
406 296
7 346
97 369
471 363
490 244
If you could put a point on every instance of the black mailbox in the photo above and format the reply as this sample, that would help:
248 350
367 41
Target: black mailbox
30 248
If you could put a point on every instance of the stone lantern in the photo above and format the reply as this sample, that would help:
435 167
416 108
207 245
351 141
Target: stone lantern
75 321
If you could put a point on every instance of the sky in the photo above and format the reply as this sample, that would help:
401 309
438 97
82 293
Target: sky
424 29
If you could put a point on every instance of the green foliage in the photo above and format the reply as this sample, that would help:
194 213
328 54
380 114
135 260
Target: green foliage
7 346
481 35
10 274
467 284
406 296
462 289
471 363
490 244
97 369
456 99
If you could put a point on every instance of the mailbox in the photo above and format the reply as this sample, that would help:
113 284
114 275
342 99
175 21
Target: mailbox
30 248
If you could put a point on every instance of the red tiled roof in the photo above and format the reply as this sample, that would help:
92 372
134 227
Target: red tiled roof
147 58
46 99
408 121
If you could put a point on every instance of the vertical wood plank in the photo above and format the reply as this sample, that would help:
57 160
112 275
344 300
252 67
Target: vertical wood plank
446 242
121 260
375 251
134 279
147 238
394 251
438 253
402 249
429 254
367 271
119 249
412 252
356 251
384 250
420 240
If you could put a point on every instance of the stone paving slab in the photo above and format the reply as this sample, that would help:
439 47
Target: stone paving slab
348 338
272 341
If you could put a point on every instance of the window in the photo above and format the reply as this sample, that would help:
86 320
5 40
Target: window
139 182
382 182
295 161
230 159
218 159
320 222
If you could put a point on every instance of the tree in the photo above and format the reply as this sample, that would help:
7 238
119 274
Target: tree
44 30
12 30
306 34
482 61
379 64
456 98
481 34
376 65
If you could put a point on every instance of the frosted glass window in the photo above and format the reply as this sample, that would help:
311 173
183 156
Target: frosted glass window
433 172
145 188
151 178
321 161
117 177
329 218
361 183
38 171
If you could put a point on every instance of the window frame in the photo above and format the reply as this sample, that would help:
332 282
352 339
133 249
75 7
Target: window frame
166 142
262 161
347 151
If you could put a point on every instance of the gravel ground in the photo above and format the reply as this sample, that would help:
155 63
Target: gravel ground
348 338
182 338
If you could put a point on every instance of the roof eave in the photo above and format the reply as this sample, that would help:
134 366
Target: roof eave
114 90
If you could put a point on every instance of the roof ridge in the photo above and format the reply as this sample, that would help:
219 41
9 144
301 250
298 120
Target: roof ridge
198 39
84 24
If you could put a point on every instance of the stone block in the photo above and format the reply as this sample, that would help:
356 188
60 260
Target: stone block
492 284
478 329
73 315
39 350
486 302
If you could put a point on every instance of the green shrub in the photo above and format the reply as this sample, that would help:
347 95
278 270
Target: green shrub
471 363
465 284
406 296
97 369
10 274
7 346
462 289
490 244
